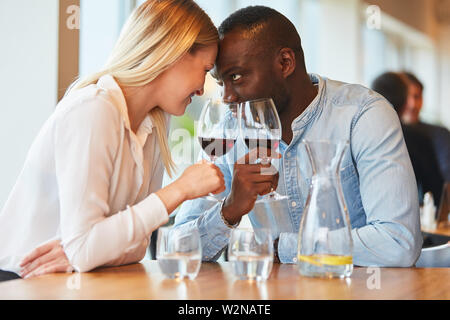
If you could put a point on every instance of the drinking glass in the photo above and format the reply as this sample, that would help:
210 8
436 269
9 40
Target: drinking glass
251 253
178 252
260 127
218 130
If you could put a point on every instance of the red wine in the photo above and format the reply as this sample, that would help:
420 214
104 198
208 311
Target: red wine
262 143
216 147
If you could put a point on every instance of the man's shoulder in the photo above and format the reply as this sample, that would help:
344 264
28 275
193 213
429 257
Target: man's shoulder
342 93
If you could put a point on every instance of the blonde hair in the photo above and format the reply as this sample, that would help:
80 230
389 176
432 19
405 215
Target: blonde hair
156 35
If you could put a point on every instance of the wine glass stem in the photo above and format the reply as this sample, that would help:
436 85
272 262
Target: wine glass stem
213 160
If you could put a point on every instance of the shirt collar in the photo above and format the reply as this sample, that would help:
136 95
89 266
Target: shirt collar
314 107
109 84
145 129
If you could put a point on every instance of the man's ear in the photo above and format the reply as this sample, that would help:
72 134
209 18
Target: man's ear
286 61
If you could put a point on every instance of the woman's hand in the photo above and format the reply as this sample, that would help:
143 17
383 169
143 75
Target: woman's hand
201 179
48 258
196 181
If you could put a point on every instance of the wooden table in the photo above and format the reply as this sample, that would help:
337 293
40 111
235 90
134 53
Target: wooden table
443 229
215 281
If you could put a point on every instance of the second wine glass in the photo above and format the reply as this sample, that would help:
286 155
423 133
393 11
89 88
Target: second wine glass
260 128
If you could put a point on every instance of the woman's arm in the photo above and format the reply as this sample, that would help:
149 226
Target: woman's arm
85 144
86 141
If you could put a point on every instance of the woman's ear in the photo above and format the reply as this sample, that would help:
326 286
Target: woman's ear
287 62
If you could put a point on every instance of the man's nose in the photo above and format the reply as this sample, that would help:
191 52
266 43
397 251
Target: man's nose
229 95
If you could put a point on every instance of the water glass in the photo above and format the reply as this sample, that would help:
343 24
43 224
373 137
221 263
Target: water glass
251 253
179 252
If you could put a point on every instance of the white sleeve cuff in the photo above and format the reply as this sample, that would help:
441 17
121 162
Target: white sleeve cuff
152 212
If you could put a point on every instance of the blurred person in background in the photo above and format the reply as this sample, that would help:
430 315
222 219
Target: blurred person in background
394 87
439 136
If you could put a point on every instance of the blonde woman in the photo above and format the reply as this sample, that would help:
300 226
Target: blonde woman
90 192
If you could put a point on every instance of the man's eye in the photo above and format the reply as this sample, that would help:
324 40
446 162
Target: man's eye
236 77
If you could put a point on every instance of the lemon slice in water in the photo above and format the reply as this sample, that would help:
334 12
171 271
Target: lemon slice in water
326 259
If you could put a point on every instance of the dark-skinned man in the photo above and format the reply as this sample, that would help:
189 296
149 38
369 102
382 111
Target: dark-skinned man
260 56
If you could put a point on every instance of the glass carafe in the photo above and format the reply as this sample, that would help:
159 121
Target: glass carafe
325 243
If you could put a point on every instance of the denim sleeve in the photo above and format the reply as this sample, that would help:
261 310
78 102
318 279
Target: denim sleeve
205 216
287 247
391 236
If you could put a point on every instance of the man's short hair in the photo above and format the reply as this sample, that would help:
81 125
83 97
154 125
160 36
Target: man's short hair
247 18
411 77
393 87
265 24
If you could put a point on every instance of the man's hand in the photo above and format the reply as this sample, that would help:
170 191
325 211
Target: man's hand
48 258
249 181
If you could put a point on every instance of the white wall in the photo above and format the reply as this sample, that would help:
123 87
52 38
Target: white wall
338 43
28 85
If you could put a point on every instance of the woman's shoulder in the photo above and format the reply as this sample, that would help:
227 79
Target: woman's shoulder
88 104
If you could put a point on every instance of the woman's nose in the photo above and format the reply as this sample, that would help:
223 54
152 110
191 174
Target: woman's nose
200 92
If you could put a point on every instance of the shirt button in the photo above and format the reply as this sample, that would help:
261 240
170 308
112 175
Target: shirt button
294 204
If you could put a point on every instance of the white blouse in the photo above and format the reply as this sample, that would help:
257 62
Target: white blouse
89 181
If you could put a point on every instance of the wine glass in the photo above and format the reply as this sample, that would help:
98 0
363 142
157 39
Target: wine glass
218 130
260 128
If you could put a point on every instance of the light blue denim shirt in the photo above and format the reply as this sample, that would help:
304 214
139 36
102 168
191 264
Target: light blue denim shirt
376 176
